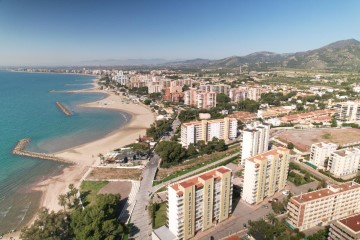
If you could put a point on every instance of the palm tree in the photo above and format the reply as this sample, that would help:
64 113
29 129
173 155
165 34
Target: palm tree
62 200
101 156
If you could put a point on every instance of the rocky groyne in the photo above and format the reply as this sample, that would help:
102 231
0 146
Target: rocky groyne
66 111
20 147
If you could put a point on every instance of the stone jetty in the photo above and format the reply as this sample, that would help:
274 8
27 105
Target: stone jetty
66 111
20 150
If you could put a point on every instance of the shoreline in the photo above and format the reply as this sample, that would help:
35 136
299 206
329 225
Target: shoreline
85 155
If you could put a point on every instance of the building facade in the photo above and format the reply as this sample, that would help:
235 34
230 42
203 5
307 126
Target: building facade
344 162
198 203
346 228
320 153
265 174
255 140
206 130
348 111
121 78
322 206
196 98
219 88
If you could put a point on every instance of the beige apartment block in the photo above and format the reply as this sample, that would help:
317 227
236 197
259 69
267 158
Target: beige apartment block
322 206
265 174
206 130
198 203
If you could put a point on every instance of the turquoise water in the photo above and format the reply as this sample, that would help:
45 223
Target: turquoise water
28 110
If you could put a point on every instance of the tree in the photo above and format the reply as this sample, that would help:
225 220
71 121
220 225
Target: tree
49 225
147 101
334 122
290 146
191 151
98 221
300 107
185 88
222 99
170 152
62 201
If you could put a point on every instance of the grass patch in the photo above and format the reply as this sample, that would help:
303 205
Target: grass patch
89 189
115 173
160 216
326 136
298 179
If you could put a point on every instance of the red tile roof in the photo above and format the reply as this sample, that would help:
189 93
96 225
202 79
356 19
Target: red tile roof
195 181
352 222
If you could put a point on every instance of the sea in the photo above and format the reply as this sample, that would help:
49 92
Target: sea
28 110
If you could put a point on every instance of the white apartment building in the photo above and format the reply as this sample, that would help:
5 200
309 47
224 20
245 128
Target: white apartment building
322 206
320 153
243 92
154 87
198 203
265 174
348 111
121 78
206 130
255 140
344 162
218 88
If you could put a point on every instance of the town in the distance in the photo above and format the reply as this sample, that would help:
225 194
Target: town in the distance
245 150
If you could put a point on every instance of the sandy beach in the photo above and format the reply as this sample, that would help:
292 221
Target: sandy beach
85 155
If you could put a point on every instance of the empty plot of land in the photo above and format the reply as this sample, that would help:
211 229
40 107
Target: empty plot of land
303 139
114 173
122 187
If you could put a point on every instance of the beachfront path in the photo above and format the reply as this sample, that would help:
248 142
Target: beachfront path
141 226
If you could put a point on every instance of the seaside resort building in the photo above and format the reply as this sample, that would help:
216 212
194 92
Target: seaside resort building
346 228
322 206
344 162
255 140
198 203
206 130
320 153
265 174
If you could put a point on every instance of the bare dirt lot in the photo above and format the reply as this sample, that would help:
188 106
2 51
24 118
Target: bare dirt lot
114 173
122 187
302 139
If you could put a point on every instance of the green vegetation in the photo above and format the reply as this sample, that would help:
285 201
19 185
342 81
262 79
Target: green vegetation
139 91
193 168
159 215
158 129
98 221
298 179
275 99
89 190
273 229
147 101
248 105
172 153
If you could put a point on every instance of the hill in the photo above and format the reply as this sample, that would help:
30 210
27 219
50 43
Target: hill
340 55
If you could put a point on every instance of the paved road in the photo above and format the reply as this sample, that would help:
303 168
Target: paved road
157 187
241 215
140 220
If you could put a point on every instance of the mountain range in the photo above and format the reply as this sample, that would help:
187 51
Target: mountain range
340 55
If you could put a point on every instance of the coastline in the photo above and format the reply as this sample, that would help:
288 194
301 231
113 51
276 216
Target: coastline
85 155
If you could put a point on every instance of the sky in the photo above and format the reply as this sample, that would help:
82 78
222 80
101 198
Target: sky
69 32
